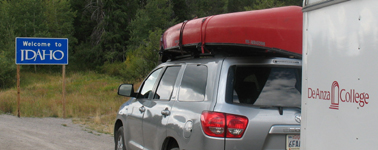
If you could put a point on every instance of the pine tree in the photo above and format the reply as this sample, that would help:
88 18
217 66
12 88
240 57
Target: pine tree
157 14
118 16
7 66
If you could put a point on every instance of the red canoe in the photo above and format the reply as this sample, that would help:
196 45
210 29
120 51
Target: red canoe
278 29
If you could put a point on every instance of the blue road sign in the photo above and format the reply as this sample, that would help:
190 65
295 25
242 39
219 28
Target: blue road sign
41 51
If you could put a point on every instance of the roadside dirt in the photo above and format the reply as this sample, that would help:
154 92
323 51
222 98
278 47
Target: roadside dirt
49 133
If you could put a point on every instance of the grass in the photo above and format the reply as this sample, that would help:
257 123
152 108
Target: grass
91 98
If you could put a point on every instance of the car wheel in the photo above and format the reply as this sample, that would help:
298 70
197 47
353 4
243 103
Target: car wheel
173 146
119 143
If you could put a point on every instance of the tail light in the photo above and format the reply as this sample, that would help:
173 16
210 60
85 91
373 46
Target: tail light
218 124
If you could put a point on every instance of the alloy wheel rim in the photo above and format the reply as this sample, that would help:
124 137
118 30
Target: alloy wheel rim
120 143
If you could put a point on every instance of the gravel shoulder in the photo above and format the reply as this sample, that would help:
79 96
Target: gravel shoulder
49 133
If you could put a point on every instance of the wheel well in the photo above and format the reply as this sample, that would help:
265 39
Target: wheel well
116 127
169 143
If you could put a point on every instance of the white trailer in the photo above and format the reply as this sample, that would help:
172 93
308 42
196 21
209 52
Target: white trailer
340 75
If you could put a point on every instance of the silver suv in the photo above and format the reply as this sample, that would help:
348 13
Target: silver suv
218 103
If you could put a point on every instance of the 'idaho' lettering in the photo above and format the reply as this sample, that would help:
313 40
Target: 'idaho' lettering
28 54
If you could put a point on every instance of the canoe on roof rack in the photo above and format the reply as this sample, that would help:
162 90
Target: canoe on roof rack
275 31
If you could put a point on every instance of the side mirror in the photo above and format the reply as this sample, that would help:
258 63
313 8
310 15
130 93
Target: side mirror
126 90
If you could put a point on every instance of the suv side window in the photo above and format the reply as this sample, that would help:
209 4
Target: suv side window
148 85
165 88
193 84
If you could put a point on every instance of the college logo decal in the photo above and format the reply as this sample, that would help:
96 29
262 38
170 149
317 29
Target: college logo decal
337 95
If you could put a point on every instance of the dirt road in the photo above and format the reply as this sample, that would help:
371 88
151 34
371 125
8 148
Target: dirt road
49 133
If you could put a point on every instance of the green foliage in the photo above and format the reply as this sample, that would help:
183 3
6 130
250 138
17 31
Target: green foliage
294 2
114 69
28 18
111 36
238 5
7 71
32 18
211 7
7 66
42 18
117 18
263 4
86 57
145 32
156 14
59 19
140 61
83 23
180 10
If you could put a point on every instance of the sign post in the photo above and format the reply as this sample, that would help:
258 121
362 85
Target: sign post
41 51
18 91
64 90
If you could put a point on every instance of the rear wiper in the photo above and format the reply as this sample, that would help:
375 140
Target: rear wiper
280 110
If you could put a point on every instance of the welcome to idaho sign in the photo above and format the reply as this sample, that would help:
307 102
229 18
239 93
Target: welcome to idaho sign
41 51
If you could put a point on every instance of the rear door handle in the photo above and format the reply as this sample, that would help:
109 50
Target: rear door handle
166 112
142 109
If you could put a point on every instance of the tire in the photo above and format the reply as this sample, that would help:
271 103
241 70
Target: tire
120 140
173 146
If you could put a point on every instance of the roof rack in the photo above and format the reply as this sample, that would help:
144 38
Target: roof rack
226 51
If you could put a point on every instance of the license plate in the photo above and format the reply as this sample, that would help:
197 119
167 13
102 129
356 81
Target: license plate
293 142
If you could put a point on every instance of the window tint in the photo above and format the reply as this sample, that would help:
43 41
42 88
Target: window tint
264 86
146 90
167 82
193 84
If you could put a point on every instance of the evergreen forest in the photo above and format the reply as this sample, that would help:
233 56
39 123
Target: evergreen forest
115 37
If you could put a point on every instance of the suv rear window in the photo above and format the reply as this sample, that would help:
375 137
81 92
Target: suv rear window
264 86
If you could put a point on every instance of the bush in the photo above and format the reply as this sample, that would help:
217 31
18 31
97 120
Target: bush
140 61
7 71
85 56
114 69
